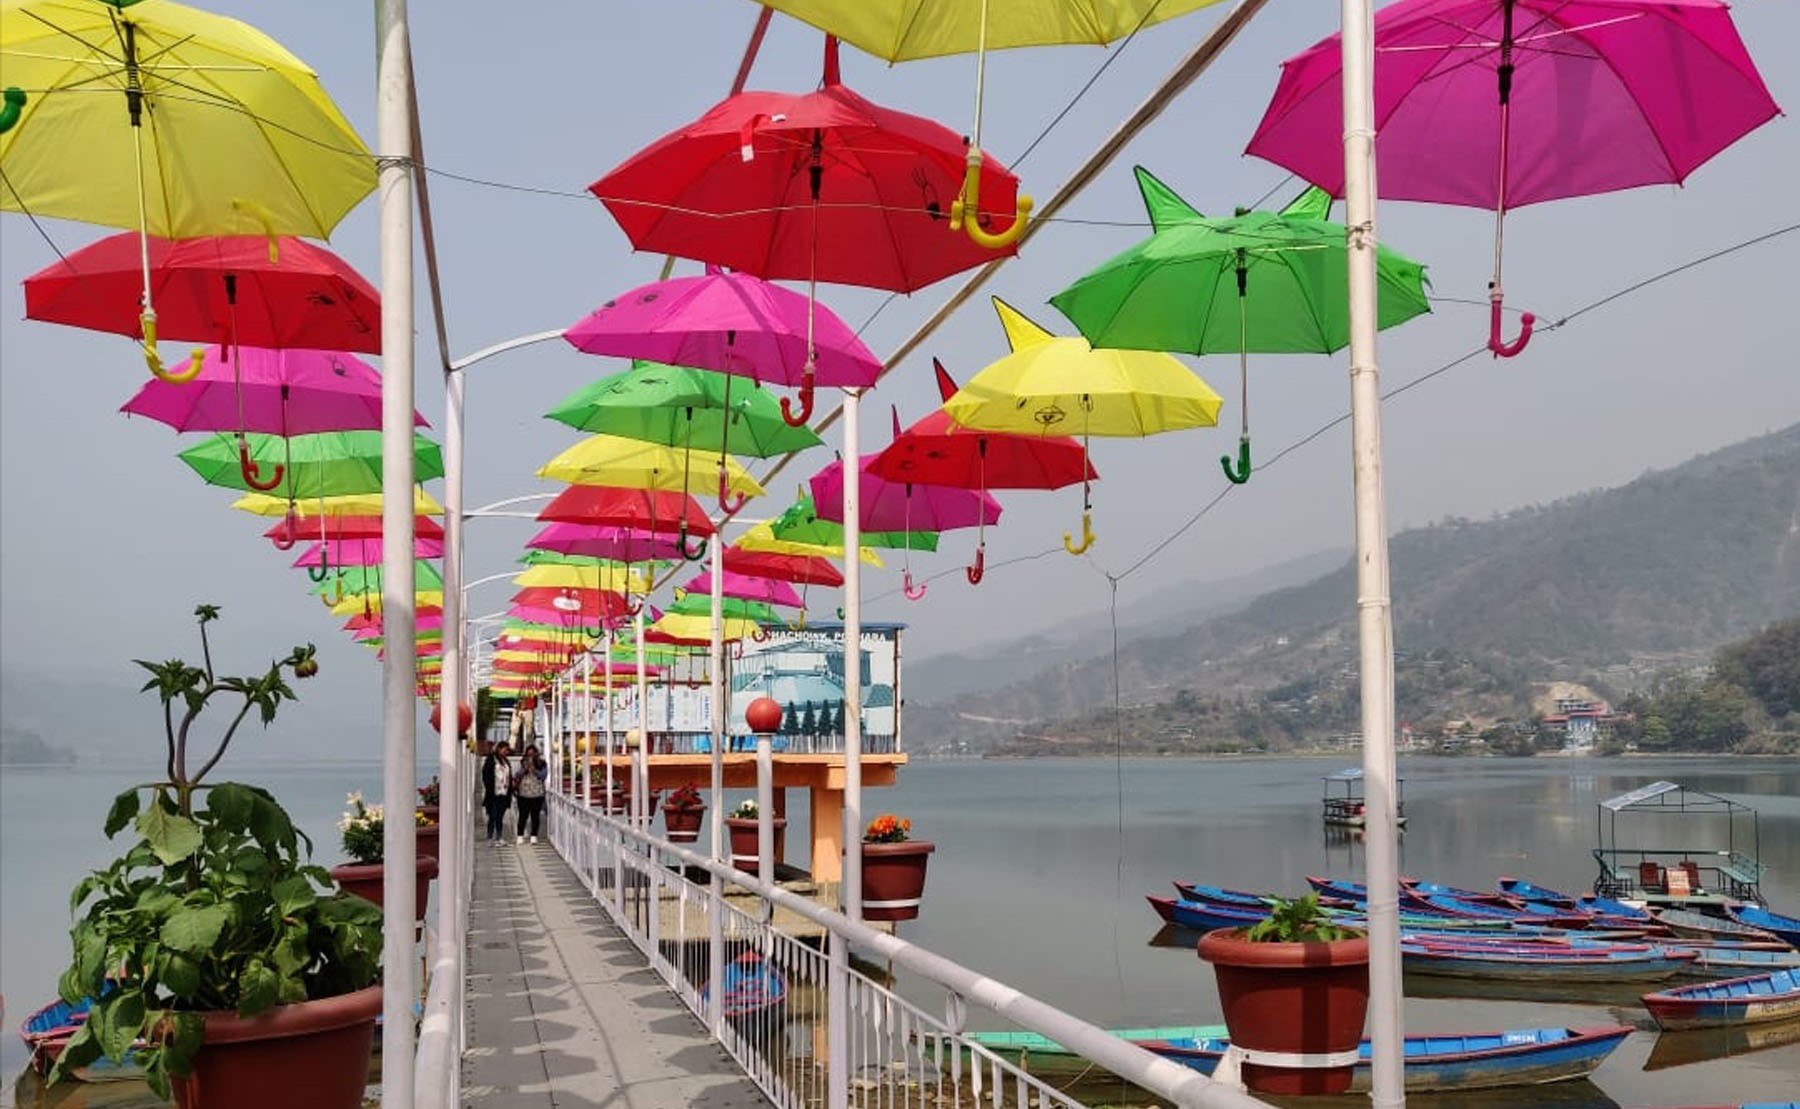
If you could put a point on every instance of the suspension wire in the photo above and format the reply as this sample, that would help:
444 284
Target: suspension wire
1105 64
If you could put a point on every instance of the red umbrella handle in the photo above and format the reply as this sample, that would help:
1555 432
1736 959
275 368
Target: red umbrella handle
252 472
913 592
979 568
798 419
1500 347
760 635
727 503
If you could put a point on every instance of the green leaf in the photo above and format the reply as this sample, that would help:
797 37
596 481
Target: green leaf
270 824
194 929
124 807
231 805
258 988
90 961
82 1049
186 1030
172 836
292 894
117 1020
181 975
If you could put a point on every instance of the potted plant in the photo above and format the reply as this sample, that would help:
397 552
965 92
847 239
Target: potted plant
249 979
682 812
427 817
1294 984
893 869
361 827
741 825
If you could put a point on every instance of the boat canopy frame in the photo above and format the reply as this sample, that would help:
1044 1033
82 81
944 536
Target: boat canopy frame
1711 874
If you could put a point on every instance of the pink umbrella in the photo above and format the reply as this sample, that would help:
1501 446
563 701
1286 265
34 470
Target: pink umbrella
278 392
732 323
903 506
619 543
359 622
744 587
1502 103
359 552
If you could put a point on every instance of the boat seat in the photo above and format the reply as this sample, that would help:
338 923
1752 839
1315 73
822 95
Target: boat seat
1650 876
1692 869
1678 883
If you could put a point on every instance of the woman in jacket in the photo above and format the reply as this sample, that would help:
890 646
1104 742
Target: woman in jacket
497 791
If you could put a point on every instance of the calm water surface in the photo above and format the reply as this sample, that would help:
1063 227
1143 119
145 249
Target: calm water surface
1042 868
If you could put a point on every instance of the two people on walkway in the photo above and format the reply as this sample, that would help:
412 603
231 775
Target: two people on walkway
502 782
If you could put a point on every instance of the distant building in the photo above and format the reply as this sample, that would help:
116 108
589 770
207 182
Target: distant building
1581 721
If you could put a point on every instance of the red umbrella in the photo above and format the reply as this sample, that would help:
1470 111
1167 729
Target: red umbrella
622 544
824 186
580 604
938 451
799 569
213 290
287 532
644 510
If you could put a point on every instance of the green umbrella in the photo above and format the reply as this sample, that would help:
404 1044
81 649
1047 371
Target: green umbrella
556 558
677 405
327 464
367 579
1268 282
732 608
800 522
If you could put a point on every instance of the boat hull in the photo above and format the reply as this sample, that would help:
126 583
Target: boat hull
1548 967
1752 1000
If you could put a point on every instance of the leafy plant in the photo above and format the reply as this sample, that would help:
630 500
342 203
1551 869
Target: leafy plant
429 792
213 907
746 810
362 828
1301 920
687 798
887 828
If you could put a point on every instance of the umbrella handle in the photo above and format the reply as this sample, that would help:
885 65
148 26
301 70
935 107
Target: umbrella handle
760 635
976 571
681 545
14 104
913 592
1087 536
632 608
727 504
1241 473
968 203
1500 347
154 361
840 612
252 473
798 419
318 573
799 625
286 542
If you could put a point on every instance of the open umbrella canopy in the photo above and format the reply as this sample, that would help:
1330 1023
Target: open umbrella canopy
367 579
218 289
326 464
354 504
277 392
641 510
1053 385
616 461
903 30
938 451
798 569
572 601
557 542
761 539
819 186
358 552
612 577
370 602
744 587
674 627
346 529
679 406
237 137
801 522
424 623
901 506
733 608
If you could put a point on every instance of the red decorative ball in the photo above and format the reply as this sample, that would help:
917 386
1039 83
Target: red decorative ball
763 715
465 716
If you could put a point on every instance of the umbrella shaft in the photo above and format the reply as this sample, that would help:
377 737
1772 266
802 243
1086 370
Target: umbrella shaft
980 77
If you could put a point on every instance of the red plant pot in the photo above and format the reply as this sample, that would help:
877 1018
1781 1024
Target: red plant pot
310 1055
893 878
1293 998
743 842
683 824
427 840
364 880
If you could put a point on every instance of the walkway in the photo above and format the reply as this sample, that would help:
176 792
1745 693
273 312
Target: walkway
563 1010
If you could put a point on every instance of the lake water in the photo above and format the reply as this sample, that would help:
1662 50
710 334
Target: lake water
1042 867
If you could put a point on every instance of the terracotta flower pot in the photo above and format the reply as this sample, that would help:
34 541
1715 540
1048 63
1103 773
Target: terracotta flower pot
893 878
683 824
743 841
1293 998
427 840
364 880
310 1055
430 811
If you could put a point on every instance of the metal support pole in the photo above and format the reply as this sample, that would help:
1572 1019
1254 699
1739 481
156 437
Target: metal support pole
586 744
1375 634
608 642
852 716
765 807
453 817
715 909
399 667
643 713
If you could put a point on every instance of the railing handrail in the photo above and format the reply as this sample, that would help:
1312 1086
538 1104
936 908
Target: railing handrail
1181 1085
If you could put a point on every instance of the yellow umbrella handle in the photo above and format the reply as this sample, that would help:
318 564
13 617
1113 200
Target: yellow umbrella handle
264 217
154 360
968 204
12 103
1087 536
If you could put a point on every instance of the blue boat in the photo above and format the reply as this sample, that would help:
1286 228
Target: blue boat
1760 997
752 987
1519 887
1606 906
1786 927
1204 917
1726 961
1544 963
1522 1057
47 1031
1684 922
1194 891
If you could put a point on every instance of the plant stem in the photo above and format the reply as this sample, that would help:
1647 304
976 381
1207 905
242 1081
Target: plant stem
225 742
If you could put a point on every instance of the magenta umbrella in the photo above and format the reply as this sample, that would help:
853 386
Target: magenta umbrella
359 552
1503 103
902 506
605 541
746 587
736 324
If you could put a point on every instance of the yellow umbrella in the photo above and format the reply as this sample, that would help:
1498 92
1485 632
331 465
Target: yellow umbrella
1059 385
612 577
698 629
900 30
762 538
175 121
353 603
349 504
635 464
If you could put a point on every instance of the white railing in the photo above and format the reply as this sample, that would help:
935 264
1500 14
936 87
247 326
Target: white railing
437 1068
836 1036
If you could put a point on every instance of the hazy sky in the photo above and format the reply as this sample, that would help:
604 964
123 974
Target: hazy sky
107 540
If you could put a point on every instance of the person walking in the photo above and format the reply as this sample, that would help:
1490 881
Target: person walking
529 788
497 790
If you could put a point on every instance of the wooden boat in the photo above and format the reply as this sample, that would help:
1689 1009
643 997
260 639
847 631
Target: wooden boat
752 987
1728 961
1457 907
1760 997
1218 895
1700 1045
1785 927
1682 922
1606 906
1519 887
1526 963
1042 1056
47 1031
1201 916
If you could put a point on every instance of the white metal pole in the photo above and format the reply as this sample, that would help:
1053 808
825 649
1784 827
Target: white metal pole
715 911
586 745
1374 620
400 666
852 715
765 807
643 686
608 641
453 817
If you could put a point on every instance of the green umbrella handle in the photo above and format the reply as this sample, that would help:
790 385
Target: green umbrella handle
252 473
681 544
318 573
1242 473
13 104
